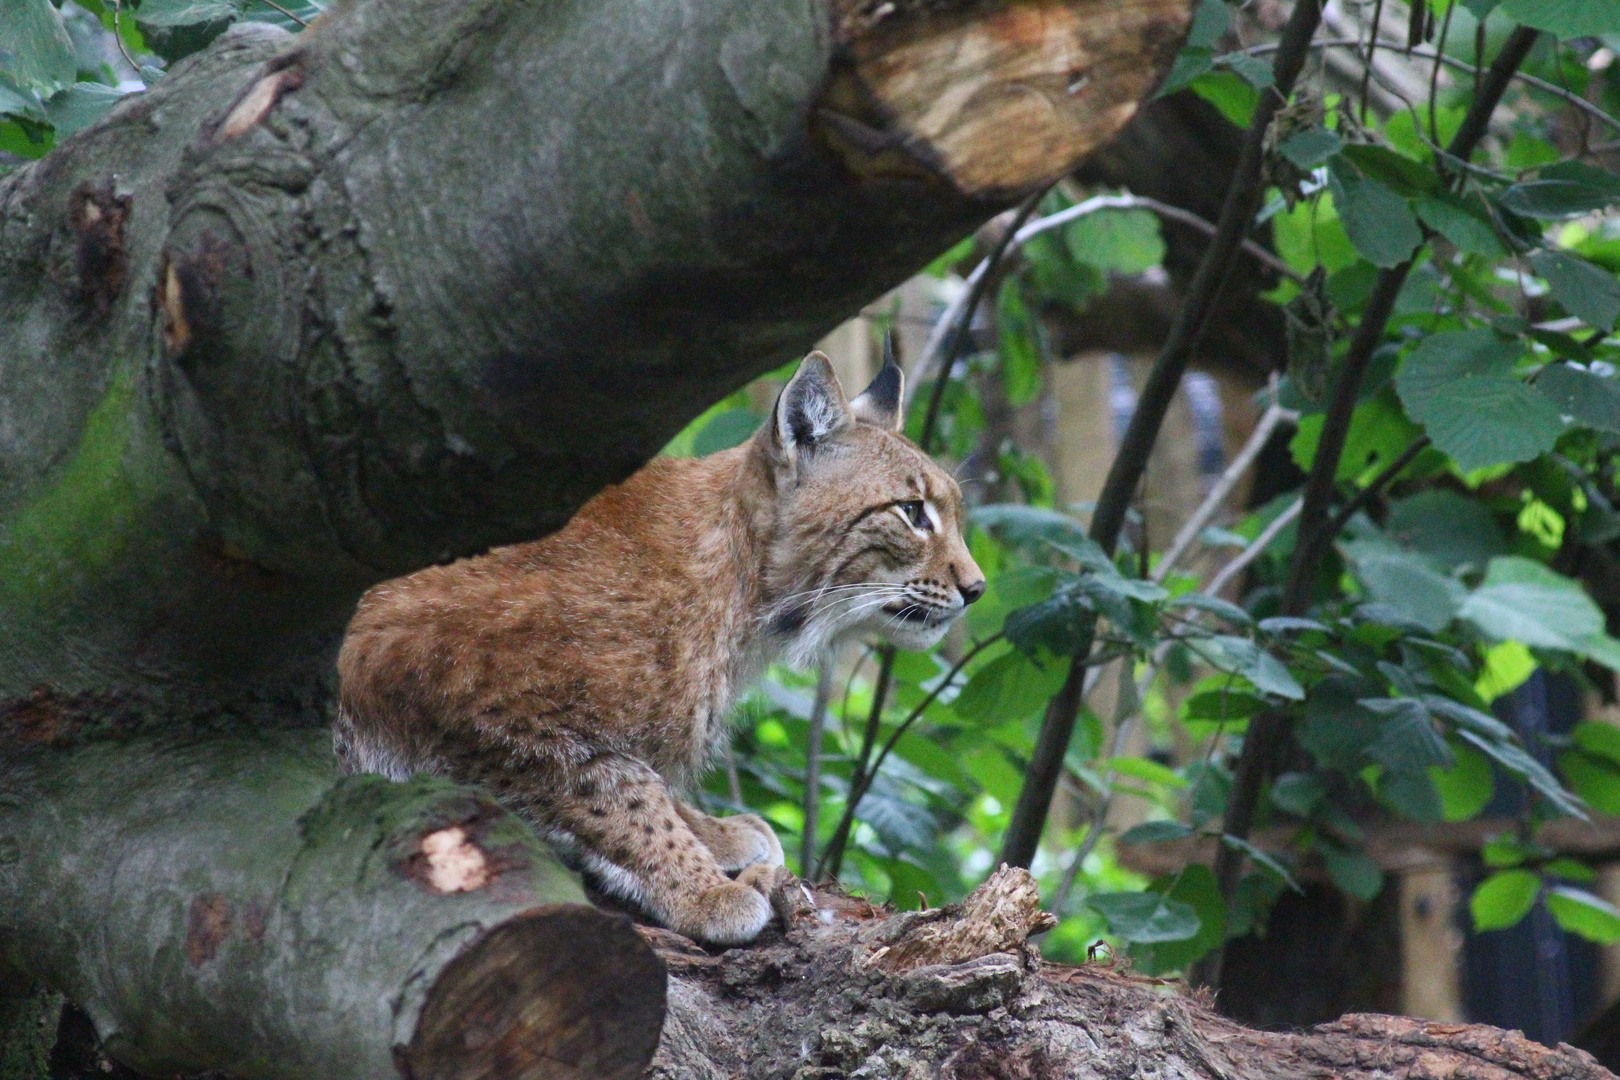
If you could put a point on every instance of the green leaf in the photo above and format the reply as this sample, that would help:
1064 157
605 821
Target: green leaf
1010 687
1019 351
1412 794
1251 69
1466 787
1445 527
1229 93
1504 898
1299 793
1223 609
1336 729
1191 62
36 52
1195 887
1352 871
1146 916
1563 190
1395 171
1587 398
1058 624
15 102
1408 741
1459 385
1566 18
186 12
1263 859
1144 769
1209 24
1027 526
1125 242
1587 291
1525 601
1240 656
1456 219
79 106
1513 758
1379 221
1579 912
1600 739
1570 870
1309 148
1596 780
1156 832
1407 584
1216 706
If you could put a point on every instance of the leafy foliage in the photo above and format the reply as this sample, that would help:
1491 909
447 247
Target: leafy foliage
1446 593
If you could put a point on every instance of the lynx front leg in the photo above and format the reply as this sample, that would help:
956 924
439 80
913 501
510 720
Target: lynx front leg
737 842
633 838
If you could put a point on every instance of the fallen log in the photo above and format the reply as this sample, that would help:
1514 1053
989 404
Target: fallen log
230 905
959 993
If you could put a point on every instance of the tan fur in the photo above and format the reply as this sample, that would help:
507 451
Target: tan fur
586 677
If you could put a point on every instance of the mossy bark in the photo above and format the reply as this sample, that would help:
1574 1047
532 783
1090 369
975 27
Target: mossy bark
229 904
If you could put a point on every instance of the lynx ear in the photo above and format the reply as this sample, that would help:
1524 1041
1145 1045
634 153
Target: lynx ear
880 403
812 408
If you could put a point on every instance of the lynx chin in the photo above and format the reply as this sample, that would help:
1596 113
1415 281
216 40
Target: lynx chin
585 678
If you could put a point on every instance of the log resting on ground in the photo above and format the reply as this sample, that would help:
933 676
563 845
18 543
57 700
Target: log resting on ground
229 905
315 311
959 993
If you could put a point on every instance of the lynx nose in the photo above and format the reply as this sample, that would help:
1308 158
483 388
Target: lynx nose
971 590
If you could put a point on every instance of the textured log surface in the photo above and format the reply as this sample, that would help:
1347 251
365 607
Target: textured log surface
229 905
958 993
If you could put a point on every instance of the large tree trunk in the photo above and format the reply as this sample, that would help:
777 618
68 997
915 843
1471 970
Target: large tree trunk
316 311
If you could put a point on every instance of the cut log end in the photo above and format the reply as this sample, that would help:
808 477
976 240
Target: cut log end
995 98
563 993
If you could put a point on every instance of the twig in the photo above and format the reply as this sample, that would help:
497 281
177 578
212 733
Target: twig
964 321
733 781
118 36
1569 98
952 314
1240 562
1242 201
1267 730
1372 48
1336 524
812 762
1273 416
832 859
284 11
1434 73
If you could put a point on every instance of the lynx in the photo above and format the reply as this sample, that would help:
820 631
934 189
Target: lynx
585 677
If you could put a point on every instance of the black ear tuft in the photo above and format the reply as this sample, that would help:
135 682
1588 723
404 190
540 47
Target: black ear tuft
880 403
812 407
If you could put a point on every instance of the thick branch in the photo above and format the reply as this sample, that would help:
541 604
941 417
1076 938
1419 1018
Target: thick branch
224 906
318 310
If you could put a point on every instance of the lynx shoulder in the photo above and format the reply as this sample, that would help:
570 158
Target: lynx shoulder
585 677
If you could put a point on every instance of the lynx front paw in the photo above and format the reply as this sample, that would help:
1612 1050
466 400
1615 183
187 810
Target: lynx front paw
737 842
729 914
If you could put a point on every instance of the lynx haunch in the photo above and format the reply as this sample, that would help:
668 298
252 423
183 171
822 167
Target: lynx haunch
585 678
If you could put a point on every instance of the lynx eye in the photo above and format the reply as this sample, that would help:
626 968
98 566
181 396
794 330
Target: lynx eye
915 514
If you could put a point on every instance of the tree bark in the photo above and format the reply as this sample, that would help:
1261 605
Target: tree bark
317 310
229 905
958 993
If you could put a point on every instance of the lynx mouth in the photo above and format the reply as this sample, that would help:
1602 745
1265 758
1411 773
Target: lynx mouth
917 613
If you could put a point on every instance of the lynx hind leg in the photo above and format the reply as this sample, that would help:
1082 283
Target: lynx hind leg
631 836
736 842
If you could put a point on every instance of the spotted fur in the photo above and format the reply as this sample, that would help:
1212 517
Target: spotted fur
586 677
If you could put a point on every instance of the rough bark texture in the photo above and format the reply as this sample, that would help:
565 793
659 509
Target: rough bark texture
958 994
315 311
226 905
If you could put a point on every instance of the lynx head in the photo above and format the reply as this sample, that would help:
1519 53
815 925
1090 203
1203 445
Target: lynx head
869 529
